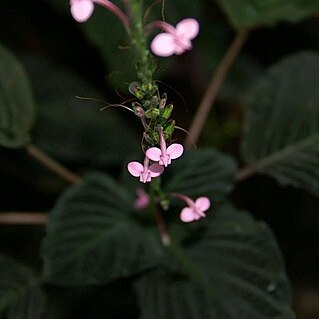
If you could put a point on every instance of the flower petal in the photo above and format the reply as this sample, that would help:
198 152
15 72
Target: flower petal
175 150
81 10
135 168
188 28
163 44
187 215
203 203
142 200
156 170
154 154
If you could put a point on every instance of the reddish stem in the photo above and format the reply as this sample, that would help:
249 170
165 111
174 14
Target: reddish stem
213 88
160 25
21 218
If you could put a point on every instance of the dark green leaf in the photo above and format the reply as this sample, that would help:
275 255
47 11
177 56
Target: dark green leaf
108 34
92 236
204 172
234 271
248 13
281 135
20 293
16 102
72 129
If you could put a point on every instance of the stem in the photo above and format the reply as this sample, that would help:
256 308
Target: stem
277 156
162 228
246 172
53 165
145 65
20 218
192 270
160 223
160 25
213 88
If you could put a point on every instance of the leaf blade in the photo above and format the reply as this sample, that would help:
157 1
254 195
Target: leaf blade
249 13
92 239
235 268
20 292
204 172
17 110
281 131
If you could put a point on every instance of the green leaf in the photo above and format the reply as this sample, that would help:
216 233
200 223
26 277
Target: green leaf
20 293
281 136
16 102
92 236
234 271
75 130
249 13
204 172
108 34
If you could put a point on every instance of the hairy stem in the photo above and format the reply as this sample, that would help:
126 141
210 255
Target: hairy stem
22 218
144 63
53 165
155 189
213 88
162 228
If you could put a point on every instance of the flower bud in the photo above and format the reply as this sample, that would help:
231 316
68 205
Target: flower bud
167 111
149 88
169 128
152 113
162 102
136 89
138 110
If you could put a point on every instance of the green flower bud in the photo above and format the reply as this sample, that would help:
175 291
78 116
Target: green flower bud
167 111
155 137
152 113
165 203
136 89
169 129
138 110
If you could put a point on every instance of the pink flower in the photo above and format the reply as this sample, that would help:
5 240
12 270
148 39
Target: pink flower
145 172
142 200
164 155
81 10
175 40
195 209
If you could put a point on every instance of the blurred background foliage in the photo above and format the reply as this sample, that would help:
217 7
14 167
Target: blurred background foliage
64 60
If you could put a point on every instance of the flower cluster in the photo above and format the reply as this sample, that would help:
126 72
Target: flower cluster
163 155
172 41
149 106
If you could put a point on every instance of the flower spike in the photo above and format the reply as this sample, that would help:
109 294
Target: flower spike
195 209
145 172
174 40
164 155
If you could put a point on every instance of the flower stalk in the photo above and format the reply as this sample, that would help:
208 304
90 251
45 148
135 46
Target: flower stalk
145 65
